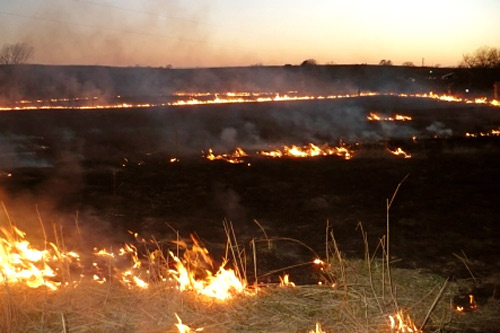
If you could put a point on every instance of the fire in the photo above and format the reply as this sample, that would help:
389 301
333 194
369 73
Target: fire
318 329
402 324
398 117
493 132
399 152
235 157
184 328
285 281
200 98
309 150
21 263
472 305
194 272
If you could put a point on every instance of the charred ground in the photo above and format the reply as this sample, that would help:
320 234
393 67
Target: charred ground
112 167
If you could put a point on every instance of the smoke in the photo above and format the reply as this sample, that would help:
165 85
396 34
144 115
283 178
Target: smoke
92 32
439 129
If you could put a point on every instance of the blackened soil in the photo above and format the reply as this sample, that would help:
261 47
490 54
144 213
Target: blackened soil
107 169
448 204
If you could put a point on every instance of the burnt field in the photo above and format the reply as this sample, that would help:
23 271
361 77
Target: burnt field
112 169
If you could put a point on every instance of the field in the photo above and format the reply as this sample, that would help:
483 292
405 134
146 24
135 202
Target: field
112 170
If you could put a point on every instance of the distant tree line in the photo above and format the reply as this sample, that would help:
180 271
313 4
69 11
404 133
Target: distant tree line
15 54
484 57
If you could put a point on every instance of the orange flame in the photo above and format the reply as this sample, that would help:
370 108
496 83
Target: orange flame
398 117
193 272
20 263
309 150
184 328
402 324
199 98
399 152
285 281
493 132
235 157
318 329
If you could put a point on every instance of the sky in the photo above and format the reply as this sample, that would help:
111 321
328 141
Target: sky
217 33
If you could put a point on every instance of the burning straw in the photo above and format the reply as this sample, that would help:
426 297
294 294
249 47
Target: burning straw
146 286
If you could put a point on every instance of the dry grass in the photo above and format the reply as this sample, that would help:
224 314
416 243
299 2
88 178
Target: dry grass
356 295
113 308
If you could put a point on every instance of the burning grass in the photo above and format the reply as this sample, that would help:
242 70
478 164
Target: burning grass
351 296
110 307
159 289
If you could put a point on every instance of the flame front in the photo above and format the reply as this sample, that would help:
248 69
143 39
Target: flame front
398 117
194 272
402 324
309 150
235 157
200 98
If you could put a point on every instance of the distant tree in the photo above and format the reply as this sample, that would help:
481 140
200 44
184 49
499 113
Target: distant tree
408 64
483 57
309 62
14 54
385 62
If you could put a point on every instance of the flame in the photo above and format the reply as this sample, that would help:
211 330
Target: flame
402 324
493 132
309 150
21 263
399 152
398 117
194 272
318 329
235 157
285 281
472 302
184 328
200 98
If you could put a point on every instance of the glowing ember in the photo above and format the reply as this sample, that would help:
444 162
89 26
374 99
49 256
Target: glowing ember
318 329
310 150
402 324
399 152
184 328
194 272
235 157
285 281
